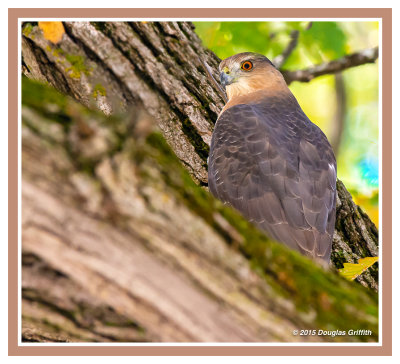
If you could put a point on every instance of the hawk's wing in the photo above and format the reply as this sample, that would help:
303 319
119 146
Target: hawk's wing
278 169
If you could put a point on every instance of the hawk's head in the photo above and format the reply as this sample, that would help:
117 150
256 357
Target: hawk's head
248 72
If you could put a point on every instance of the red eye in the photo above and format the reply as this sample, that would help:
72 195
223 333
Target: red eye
247 65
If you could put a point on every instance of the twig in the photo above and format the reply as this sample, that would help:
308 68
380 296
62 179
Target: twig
281 59
212 79
352 60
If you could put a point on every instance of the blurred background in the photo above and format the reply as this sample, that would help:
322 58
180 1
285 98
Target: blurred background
344 106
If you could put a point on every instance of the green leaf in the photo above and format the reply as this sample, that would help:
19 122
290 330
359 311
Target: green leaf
352 271
228 38
326 37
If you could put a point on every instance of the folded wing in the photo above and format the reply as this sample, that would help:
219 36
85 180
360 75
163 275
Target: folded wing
278 169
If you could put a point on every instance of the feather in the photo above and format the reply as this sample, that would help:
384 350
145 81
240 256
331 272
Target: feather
270 162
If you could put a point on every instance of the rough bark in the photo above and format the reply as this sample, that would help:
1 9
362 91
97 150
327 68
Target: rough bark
112 65
119 243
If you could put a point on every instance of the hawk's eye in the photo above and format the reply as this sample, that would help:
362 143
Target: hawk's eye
247 65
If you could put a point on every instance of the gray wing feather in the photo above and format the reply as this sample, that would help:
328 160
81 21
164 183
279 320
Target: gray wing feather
278 169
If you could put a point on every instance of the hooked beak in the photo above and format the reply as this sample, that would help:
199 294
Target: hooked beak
226 78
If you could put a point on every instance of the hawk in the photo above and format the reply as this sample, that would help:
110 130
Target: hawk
269 161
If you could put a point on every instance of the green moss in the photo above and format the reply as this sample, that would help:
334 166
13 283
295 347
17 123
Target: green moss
56 52
179 179
289 274
77 66
164 153
45 100
98 90
27 29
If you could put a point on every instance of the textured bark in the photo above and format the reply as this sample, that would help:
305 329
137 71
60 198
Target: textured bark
112 65
355 237
118 242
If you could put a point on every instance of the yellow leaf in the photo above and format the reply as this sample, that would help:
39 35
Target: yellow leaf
352 271
52 30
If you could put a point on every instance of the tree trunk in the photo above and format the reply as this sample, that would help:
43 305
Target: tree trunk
119 243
